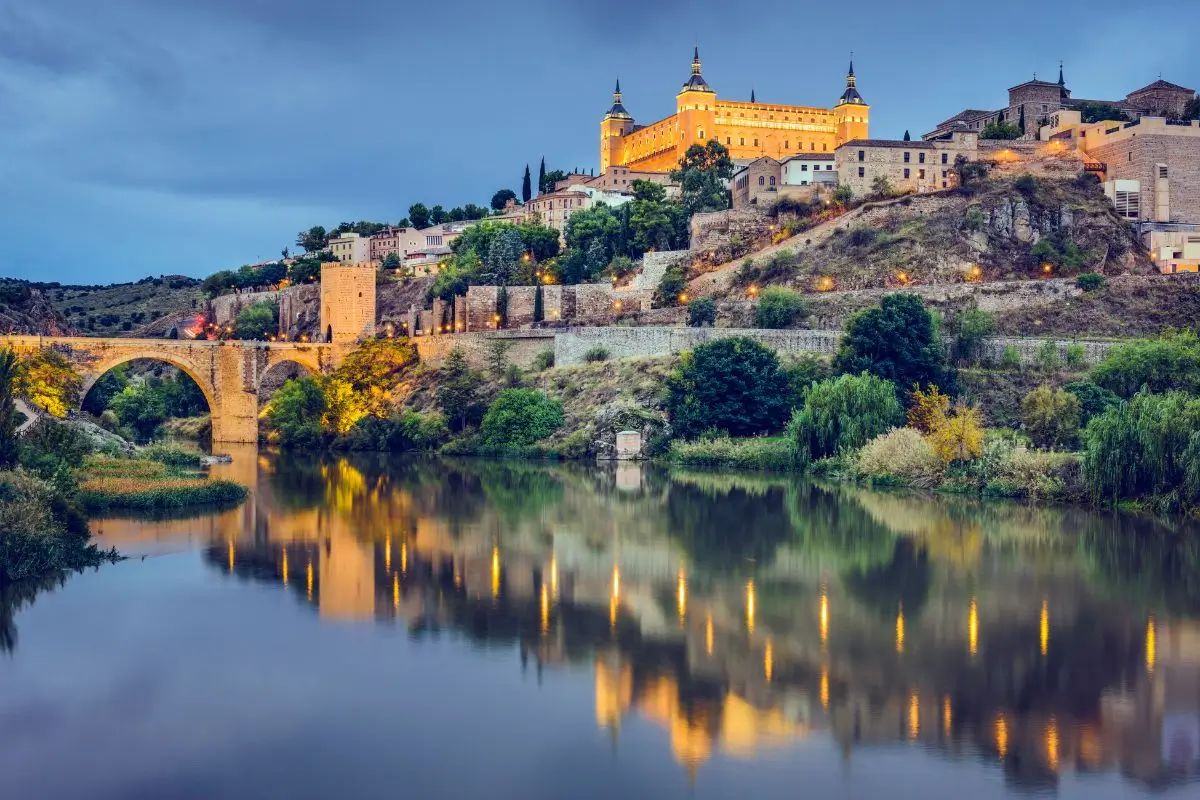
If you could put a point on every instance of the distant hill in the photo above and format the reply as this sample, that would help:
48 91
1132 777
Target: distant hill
25 309
120 309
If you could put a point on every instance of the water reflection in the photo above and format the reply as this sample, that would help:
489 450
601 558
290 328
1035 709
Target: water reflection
743 615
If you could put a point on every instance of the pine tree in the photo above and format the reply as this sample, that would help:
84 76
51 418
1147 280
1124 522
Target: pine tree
542 176
526 189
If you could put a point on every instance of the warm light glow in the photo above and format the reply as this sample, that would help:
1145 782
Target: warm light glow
708 635
683 298
824 619
396 592
554 576
824 284
495 572
946 715
681 595
387 555
1044 627
768 661
914 715
900 630
309 577
615 602
824 688
545 606
1151 645
750 606
1052 744
1001 733
232 554
284 567
1047 268
902 277
973 628
404 558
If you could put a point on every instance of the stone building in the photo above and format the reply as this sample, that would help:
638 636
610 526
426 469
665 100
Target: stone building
920 166
347 301
757 183
350 248
553 209
749 130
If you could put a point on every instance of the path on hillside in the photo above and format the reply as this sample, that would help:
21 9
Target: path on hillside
720 279
31 414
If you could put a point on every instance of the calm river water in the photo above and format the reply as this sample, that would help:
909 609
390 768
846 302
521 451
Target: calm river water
365 627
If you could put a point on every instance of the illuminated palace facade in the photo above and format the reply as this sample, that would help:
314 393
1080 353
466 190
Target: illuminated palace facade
749 130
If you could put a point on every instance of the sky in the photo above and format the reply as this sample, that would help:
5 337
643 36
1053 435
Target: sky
160 137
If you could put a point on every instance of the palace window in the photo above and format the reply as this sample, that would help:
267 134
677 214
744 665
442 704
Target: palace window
812 145
907 156
756 142
726 140
944 157
701 136
906 173
921 174
862 155
742 141
921 157
862 172
824 146
787 145
772 180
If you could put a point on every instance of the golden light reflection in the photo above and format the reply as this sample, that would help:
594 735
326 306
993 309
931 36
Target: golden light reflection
1052 744
284 567
545 606
309 576
232 555
396 591
914 715
403 558
824 618
947 715
973 628
387 556
750 606
681 596
824 688
495 572
900 630
1151 645
554 576
768 661
708 635
1044 627
1000 731
615 602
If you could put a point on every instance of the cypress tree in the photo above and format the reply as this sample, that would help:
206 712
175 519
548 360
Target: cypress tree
542 176
539 311
8 409
526 189
502 307
907 136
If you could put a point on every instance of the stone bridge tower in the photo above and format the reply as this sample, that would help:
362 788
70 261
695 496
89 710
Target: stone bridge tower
347 302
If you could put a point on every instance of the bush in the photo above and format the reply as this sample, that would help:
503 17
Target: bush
1051 417
172 456
756 453
42 530
407 431
1009 469
1026 184
927 409
1167 363
458 393
863 236
803 373
1093 400
596 354
672 286
519 418
903 455
543 361
1011 359
959 436
296 411
702 313
779 308
1075 355
733 385
898 340
843 414
1047 356
971 326
1089 281
51 446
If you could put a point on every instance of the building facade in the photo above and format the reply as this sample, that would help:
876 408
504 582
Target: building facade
918 166
807 169
553 209
350 248
749 130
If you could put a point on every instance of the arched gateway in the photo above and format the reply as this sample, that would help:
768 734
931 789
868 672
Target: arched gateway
228 373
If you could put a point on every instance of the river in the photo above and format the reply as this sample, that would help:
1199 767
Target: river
373 627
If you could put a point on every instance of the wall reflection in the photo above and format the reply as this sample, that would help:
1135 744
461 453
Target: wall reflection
743 615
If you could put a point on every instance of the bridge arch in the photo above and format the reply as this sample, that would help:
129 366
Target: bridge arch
94 372
280 370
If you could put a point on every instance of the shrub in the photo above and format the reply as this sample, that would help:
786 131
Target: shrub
671 287
973 221
1089 281
295 412
927 409
596 354
702 312
514 377
843 414
1051 417
863 236
756 453
903 454
1172 361
543 361
971 326
49 381
1009 469
8 410
458 393
803 373
1026 184
518 418
1047 356
898 340
42 531
404 432
1011 358
734 385
1093 400
50 446
959 436
1075 355
779 308
172 456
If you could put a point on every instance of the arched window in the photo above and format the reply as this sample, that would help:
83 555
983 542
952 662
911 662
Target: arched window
761 181
772 180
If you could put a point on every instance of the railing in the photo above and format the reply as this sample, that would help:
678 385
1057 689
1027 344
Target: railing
1095 166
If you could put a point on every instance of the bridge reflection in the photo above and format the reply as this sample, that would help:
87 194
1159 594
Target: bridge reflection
744 615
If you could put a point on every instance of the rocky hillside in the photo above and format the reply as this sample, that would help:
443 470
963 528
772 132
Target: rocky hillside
121 309
25 309
1005 227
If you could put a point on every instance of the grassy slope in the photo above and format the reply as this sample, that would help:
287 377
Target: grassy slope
110 308
1128 306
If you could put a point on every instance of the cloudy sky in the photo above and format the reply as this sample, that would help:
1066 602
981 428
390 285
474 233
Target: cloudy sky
144 137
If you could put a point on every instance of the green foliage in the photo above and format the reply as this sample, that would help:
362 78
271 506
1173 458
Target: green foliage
843 194
671 287
594 354
42 530
702 313
519 418
458 393
970 173
1089 281
759 453
843 414
1093 400
313 239
1171 361
1026 184
1075 355
594 237
8 410
1146 447
1061 253
702 175
526 186
404 432
1000 130
500 199
539 305
970 328
733 385
803 373
543 361
295 412
1192 109
497 358
973 221
1051 417
1011 358
259 322
1046 356
655 223
898 340
779 308
109 385
418 214
141 408
175 457
881 186
1090 113
308 268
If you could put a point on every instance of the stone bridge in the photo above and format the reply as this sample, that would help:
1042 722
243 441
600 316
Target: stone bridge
229 373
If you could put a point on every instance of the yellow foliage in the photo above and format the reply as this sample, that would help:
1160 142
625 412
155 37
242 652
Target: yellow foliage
49 381
343 406
959 437
929 408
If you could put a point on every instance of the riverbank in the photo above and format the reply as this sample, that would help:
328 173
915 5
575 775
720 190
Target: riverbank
161 478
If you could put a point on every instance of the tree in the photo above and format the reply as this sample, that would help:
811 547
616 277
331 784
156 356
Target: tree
437 215
519 418
312 240
419 215
843 194
881 186
969 172
542 176
500 199
295 412
898 340
1000 130
927 409
702 313
458 391
285 254
1192 109
596 233
374 370
779 308
502 307
1093 400
141 408
391 261
47 379
526 187
734 385
259 321
843 414
654 223
907 136
671 287
108 386
1100 112
539 305
540 241
344 406
959 435
1051 417
503 257
551 178
1172 361
701 175
8 410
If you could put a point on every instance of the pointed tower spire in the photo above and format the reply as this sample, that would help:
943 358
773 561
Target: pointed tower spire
618 110
1061 80
696 83
851 94
752 100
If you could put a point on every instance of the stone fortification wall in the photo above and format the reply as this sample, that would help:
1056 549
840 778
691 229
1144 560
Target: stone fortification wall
300 309
716 230
655 265
223 310
522 346
991 350
521 300
481 307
